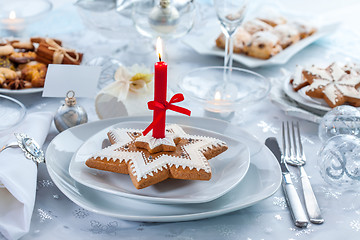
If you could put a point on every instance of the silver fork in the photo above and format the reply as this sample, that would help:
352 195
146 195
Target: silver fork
295 156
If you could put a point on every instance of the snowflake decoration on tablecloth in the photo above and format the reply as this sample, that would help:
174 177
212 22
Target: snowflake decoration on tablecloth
330 193
280 202
299 232
45 183
81 213
224 230
45 215
355 225
110 228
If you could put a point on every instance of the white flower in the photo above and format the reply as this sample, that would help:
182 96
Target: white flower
136 79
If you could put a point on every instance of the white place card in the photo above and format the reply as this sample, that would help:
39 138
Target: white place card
61 78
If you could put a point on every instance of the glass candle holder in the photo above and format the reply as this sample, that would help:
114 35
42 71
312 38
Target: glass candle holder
16 15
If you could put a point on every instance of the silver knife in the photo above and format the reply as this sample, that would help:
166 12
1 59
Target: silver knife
292 198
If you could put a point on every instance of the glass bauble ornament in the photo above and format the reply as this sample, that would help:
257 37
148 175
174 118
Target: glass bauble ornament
339 162
340 120
70 114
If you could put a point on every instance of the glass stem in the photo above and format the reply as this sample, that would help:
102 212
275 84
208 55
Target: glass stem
228 59
230 43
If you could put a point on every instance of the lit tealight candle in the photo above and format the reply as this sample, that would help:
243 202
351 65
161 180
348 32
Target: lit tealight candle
13 25
217 96
218 103
12 15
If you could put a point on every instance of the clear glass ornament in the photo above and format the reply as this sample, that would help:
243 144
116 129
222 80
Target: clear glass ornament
164 18
70 114
340 120
339 162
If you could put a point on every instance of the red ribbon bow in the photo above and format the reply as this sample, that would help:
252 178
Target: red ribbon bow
152 105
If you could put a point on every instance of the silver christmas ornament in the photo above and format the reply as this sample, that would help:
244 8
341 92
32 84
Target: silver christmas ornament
164 17
70 114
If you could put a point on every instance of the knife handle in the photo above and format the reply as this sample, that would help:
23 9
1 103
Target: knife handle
292 198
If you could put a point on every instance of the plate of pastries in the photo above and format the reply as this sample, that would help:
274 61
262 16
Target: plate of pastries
323 87
24 62
268 39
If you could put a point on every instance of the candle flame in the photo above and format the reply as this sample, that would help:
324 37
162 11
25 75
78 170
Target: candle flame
12 14
159 48
217 96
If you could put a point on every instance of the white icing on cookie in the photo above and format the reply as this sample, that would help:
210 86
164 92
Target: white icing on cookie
297 77
318 83
336 71
353 68
168 140
320 72
331 91
335 83
143 167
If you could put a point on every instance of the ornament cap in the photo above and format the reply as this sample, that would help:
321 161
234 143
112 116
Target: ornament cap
70 99
164 3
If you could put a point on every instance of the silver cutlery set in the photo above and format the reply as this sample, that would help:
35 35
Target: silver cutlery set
293 153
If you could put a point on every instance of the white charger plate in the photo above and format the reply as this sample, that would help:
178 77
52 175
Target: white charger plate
205 44
228 169
289 106
261 181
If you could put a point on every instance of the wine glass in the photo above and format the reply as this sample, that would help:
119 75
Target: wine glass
230 13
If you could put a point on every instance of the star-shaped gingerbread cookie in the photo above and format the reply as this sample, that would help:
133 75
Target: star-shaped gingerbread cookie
189 159
336 86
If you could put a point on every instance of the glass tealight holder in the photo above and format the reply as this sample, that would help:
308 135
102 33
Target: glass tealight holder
206 86
16 15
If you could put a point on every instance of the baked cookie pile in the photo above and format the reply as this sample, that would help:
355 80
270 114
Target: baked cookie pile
22 64
149 160
336 84
264 37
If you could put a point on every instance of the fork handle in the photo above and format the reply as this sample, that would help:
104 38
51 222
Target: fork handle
311 204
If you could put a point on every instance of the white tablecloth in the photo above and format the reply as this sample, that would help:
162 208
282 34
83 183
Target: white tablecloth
56 217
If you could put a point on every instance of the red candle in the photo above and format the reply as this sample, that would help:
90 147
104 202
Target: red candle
160 92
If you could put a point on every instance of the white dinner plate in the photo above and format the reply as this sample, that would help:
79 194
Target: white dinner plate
304 100
261 181
289 106
21 91
228 169
205 44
